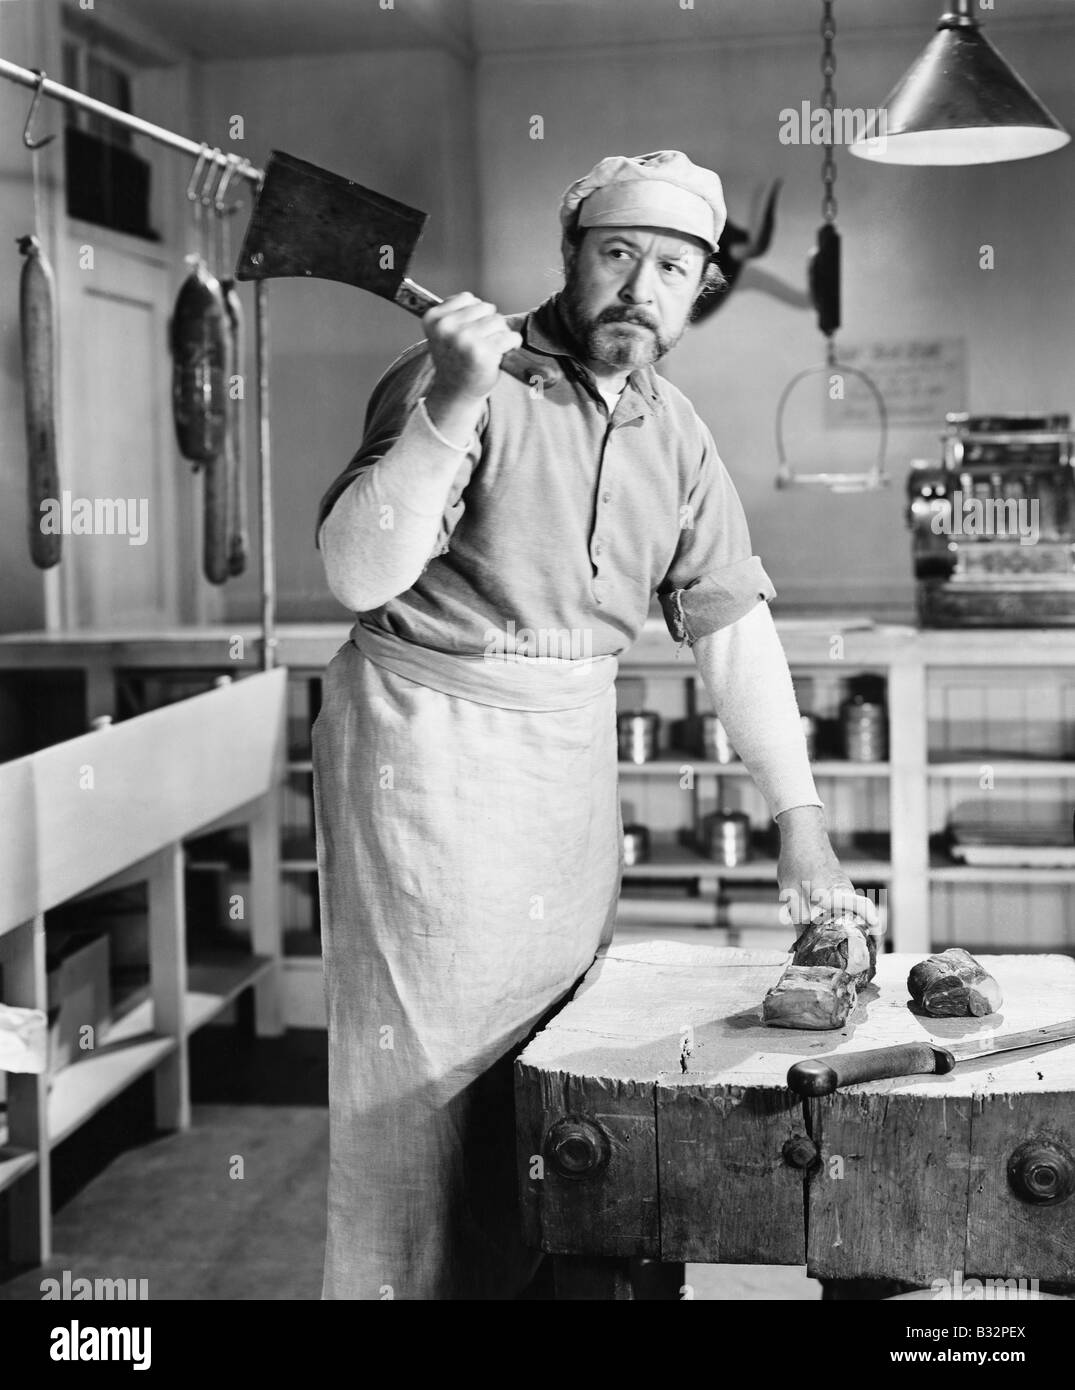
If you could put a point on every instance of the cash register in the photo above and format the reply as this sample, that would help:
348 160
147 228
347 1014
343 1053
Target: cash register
993 523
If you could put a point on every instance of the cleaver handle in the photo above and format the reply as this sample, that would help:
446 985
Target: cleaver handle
414 298
820 1076
522 366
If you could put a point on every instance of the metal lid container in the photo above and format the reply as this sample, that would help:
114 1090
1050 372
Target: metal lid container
713 741
865 730
637 734
725 838
636 844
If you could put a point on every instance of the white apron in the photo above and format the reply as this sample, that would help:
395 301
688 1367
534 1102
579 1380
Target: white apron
469 851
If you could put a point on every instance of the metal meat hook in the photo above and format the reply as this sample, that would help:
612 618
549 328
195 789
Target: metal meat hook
27 138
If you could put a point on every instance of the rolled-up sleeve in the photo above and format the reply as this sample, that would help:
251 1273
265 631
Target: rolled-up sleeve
714 579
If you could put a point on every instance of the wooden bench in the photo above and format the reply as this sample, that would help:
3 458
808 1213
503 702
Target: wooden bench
111 808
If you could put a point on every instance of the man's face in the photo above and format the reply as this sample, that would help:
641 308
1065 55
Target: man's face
628 293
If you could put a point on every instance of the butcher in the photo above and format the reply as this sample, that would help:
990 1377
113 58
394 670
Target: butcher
469 835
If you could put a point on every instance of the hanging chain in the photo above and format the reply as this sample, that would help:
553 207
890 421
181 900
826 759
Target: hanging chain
828 246
828 163
828 101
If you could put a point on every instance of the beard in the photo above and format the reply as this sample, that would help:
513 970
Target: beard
619 335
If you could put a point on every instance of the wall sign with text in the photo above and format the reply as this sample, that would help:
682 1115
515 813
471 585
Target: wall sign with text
919 378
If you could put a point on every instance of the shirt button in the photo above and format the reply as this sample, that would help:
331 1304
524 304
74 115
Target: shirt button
597 548
606 497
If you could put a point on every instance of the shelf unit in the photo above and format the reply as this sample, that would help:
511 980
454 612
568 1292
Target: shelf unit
673 759
133 1046
204 764
672 793
679 862
1048 769
934 756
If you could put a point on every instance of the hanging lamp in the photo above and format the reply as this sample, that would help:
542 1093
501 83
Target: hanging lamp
960 102
824 282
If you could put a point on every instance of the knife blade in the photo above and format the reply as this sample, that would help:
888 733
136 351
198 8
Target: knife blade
820 1076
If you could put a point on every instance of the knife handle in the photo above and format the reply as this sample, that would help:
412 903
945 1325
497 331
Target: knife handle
521 365
820 1076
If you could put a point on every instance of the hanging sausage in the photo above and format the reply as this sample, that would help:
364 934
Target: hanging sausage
238 539
235 443
199 342
38 339
37 316
201 350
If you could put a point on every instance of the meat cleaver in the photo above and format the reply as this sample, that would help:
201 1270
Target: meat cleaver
310 222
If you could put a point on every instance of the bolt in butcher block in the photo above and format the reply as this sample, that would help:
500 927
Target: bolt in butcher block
655 1123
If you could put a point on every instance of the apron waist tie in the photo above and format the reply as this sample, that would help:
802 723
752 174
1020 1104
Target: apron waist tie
503 680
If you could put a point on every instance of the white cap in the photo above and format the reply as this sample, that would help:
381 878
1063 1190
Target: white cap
663 189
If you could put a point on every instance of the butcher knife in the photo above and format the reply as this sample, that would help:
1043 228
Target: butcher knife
820 1076
308 222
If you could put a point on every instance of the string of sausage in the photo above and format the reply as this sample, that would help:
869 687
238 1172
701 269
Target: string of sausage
238 541
202 351
37 322
207 353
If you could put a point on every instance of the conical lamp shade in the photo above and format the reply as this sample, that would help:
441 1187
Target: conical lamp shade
960 103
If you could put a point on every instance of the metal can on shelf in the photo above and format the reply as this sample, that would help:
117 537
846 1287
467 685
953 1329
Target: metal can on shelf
713 741
864 729
726 838
636 844
636 734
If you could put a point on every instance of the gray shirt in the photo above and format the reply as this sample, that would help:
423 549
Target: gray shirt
562 519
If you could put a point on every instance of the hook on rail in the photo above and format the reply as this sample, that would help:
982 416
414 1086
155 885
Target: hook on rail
213 175
197 173
235 165
214 167
201 176
27 138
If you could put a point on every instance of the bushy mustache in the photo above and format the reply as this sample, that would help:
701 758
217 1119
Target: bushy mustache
616 313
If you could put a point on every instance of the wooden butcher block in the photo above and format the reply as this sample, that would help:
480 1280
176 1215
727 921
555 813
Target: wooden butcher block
654 1120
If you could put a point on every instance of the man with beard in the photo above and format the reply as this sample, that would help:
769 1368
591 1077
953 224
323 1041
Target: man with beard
469 831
